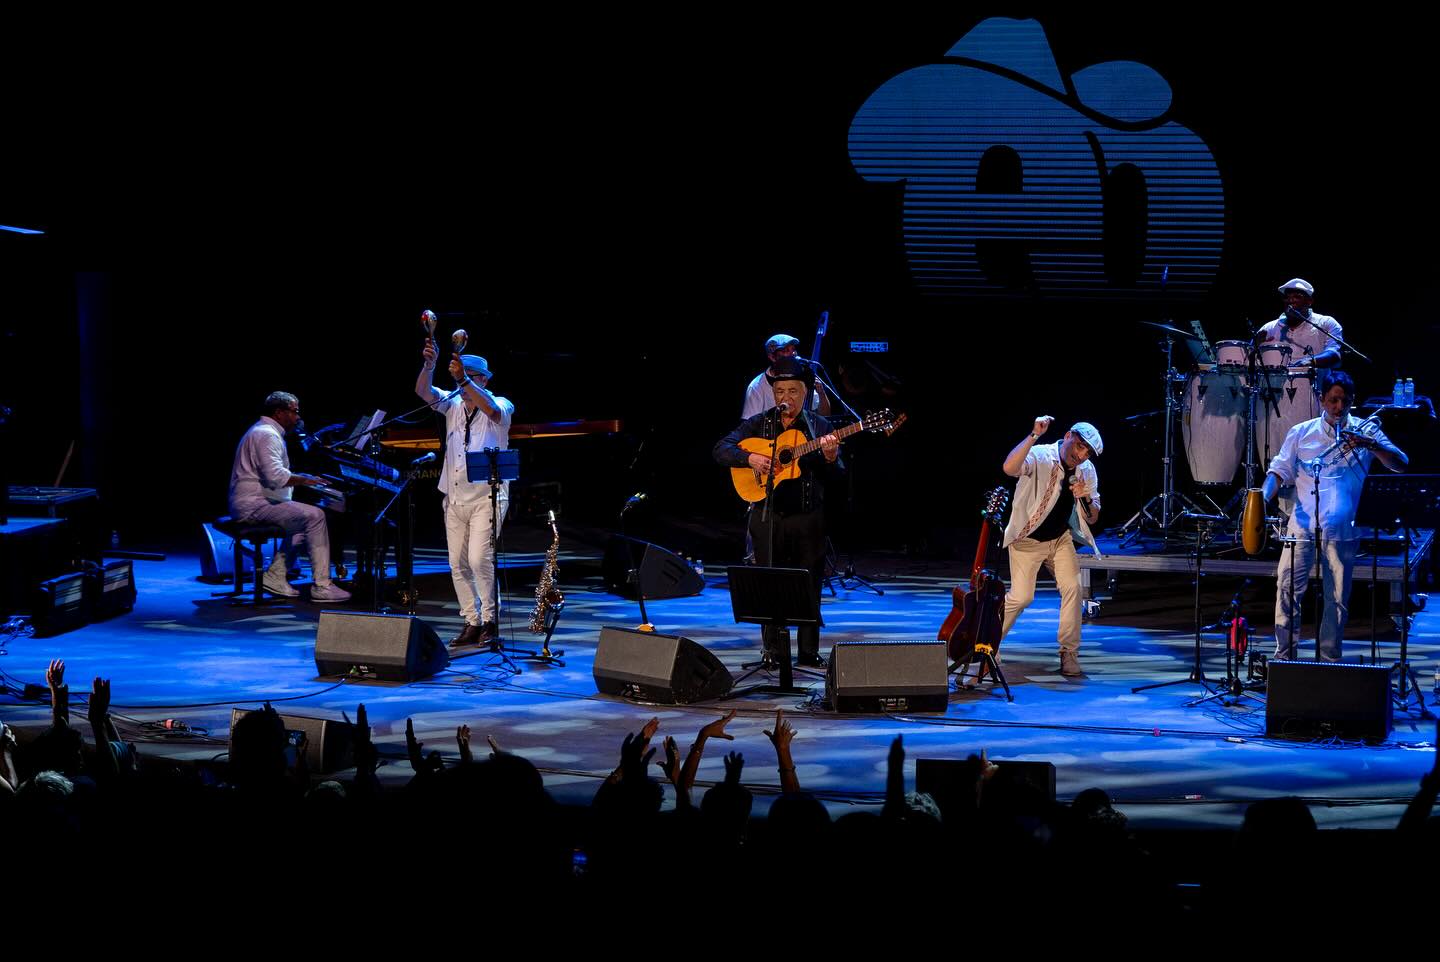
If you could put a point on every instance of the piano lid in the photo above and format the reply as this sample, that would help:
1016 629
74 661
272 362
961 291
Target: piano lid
423 439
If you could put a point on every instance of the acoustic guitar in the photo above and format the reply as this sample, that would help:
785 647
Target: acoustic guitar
792 445
975 616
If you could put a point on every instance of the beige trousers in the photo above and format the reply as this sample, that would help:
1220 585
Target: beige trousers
1026 557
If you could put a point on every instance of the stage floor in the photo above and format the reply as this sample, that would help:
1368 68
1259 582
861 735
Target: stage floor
182 654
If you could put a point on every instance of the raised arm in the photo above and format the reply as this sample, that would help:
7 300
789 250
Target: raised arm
1014 464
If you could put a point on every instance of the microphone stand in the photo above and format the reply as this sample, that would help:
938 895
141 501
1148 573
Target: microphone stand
849 580
1344 345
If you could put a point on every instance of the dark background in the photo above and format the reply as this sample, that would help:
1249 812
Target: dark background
620 209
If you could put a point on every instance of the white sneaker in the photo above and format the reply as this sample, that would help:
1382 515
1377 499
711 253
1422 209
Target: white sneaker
276 583
328 593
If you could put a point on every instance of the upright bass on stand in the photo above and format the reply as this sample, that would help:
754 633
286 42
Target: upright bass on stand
971 631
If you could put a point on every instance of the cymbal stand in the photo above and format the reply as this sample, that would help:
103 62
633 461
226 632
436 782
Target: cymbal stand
1132 529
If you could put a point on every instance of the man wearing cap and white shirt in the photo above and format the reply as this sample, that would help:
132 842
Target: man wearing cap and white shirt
1310 347
1324 445
262 487
474 420
1057 499
759 397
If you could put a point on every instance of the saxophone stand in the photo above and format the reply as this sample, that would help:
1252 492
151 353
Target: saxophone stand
1204 531
495 466
549 598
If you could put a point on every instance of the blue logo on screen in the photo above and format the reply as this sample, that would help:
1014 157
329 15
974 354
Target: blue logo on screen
1020 181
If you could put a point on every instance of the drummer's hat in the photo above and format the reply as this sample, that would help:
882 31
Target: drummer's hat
1298 284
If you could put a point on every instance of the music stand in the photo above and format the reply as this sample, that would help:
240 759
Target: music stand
777 598
1402 501
494 466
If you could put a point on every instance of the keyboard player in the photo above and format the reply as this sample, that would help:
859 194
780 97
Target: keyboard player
262 487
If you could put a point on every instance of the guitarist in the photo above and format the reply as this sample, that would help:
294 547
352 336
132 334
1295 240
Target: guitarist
797 505
1057 499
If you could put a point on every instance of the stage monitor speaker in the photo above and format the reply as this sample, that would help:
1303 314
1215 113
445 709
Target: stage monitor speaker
110 589
649 666
661 573
888 676
944 778
370 647
329 744
1317 699
58 605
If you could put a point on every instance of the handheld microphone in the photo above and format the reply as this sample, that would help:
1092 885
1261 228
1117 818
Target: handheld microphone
784 407
1084 502
423 459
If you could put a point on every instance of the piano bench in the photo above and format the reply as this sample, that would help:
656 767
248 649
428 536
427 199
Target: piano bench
254 533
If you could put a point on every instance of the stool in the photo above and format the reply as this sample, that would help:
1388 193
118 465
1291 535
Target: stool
256 533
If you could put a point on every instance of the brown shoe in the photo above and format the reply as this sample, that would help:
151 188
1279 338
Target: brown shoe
469 635
1069 662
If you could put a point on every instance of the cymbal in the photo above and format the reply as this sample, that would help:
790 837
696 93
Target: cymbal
1188 335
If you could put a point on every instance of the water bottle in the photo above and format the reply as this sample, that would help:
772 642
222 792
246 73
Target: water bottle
1398 395
1409 392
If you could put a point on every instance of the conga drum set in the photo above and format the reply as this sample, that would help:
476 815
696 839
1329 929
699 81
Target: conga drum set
1236 403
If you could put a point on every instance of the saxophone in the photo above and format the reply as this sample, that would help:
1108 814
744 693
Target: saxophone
547 596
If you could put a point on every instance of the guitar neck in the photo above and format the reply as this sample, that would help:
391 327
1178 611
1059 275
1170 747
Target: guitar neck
982 550
840 435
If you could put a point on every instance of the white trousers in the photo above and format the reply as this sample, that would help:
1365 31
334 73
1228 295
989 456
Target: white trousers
472 557
1026 558
301 522
1337 567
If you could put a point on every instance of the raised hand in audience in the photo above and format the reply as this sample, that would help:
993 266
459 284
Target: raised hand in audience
415 749
495 748
59 693
97 712
715 729
9 778
462 742
781 736
367 757
734 765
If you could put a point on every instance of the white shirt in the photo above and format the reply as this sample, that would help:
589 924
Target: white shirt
1038 489
261 473
760 397
1342 477
1306 341
455 483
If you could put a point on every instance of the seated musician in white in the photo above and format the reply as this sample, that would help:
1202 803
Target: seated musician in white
261 490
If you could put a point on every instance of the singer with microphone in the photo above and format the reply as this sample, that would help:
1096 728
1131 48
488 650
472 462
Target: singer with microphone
1057 499
262 488
1312 337
475 419
796 506
1340 449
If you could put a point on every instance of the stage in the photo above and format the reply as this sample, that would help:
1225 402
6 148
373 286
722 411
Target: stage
186 655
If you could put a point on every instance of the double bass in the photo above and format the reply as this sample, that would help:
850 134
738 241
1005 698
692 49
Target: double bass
973 626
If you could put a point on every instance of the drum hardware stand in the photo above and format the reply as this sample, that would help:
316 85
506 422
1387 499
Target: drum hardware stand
1204 530
1132 529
